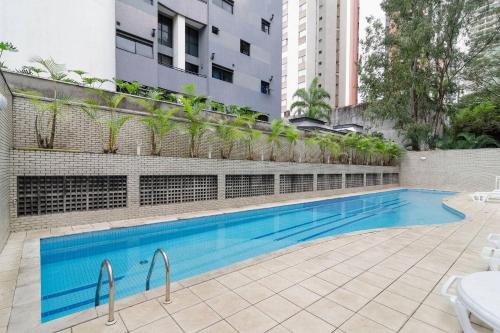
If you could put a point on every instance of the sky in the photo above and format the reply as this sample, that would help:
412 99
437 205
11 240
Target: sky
368 8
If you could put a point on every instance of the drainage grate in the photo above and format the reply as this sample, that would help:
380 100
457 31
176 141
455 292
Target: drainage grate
240 186
162 190
329 181
39 195
296 183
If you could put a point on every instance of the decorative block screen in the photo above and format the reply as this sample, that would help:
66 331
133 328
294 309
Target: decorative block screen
329 181
354 180
240 186
38 195
391 178
161 190
296 183
372 179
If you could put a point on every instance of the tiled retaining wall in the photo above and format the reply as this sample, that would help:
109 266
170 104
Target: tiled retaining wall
41 163
5 145
457 170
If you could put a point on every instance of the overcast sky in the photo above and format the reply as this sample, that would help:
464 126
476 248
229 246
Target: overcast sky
368 8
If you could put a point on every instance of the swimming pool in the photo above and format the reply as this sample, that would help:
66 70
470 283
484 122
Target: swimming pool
70 264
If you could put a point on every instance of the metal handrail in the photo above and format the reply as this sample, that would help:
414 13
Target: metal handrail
111 302
167 273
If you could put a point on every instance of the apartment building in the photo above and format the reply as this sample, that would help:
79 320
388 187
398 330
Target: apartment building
229 49
320 39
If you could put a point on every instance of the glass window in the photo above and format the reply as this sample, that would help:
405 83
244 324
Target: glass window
192 68
215 30
244 47
227 5
266 26
191 41
222 73
265 87
133 44
165 31
165 60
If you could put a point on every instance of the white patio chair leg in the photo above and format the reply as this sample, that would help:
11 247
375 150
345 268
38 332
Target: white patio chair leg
463 316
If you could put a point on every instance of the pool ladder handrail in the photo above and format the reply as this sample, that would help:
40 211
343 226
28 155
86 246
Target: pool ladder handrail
167 273
111 302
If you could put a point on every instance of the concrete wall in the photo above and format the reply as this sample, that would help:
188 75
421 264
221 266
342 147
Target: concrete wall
71 164
5 147
79 34
458 170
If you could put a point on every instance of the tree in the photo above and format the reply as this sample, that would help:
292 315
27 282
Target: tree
250 134
410 72
6 47
292 135
482 118
228 135
109 127
275 136
312 102
159 119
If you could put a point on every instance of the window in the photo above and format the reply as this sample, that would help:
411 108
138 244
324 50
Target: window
222 73
244 47
165 60
265 88
191 41
266 26
227 5
165 31
192 68
133 44
215 30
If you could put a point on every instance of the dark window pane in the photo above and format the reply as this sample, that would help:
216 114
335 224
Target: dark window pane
165 60
192 41
125 44
227 5
133 44
266 26
265 88
192 68
144 50
244 47
222 73
165 31
215 30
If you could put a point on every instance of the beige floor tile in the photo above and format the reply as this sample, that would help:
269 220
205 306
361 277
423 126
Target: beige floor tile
196 317
279 329
362 288
418 282
278 308
254 292
304 322
360 324
275 282
313 266
439 302
416 326
384 315
375 279
255 272
330 311
227 304
219 327
166 324
294 275
181 299
209 289
397 302
348 299
408 291
318 286
334 277
142 314
348 270
99 326
234 280
251 320
4 317
300 296
437 318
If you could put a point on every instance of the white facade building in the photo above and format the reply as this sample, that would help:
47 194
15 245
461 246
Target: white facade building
320 39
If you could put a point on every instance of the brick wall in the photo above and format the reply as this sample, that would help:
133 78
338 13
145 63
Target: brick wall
62 163
5 145
458 170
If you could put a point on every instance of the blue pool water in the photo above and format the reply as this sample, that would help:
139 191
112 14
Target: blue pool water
70 264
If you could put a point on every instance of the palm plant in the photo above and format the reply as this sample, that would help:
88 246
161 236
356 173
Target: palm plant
323 142
312 102
350 142
333 145
6 47
250 134
292 135
112 124
131 88
159 120
228 134
197 125
274 137
471 141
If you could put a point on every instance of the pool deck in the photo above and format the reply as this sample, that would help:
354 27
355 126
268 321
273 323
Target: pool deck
385 280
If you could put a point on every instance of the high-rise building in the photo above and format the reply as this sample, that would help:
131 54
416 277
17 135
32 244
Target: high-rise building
488 18
229 49
320 39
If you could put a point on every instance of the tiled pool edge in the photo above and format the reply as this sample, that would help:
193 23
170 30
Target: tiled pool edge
29 268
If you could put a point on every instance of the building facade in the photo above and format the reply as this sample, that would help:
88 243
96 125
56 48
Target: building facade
230 50
320 39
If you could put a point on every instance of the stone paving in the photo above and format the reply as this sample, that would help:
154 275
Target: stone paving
384 280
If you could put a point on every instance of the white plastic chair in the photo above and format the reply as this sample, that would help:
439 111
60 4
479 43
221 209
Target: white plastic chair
460 309
495 239
494 264
488 196
487 253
